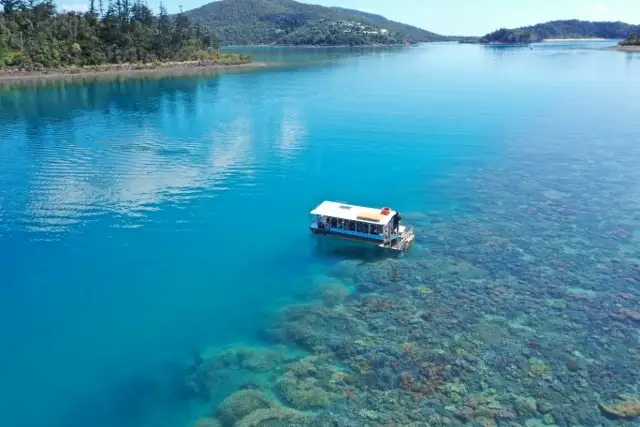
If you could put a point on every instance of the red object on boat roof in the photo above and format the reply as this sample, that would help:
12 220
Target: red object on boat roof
385 211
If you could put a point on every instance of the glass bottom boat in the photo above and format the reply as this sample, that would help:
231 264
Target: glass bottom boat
380 227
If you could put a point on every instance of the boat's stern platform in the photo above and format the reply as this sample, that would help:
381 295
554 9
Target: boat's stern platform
403 241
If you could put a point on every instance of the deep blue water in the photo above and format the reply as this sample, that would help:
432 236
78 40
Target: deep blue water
141 220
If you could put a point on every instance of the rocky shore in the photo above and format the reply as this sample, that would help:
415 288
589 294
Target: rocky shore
156 68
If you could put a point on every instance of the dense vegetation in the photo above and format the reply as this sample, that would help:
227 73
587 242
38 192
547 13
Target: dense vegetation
34 35
632 40
561 30
332 33
515 36
241 22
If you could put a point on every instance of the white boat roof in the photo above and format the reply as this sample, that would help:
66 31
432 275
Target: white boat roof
353 213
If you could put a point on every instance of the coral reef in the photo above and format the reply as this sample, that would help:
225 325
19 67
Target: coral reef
538 368
304 384
519 309
277 416
218 368
303 393
259 360
251 358
241 404
333 294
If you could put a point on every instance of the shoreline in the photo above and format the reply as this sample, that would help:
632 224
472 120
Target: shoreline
114 70
320 45
577 39
623 48
542 41
627 48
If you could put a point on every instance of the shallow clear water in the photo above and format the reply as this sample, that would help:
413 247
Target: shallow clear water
142 220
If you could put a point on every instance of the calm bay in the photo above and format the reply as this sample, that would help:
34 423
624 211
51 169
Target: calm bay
143 220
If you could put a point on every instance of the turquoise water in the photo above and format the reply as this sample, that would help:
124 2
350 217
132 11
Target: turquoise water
143 220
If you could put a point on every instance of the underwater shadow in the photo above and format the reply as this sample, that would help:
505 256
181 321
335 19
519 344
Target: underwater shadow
340 249
129 401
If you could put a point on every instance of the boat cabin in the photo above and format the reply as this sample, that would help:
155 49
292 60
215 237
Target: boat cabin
358 223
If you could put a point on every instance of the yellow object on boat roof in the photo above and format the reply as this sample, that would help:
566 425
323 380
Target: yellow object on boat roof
372 216
352 212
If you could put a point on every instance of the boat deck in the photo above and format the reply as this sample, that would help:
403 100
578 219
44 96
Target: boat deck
404 240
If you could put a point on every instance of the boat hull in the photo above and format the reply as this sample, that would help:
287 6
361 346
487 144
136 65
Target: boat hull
402 243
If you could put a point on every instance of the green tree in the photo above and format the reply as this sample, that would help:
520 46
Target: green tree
632 40
34 35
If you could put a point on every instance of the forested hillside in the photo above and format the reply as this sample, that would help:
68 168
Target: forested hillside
562 30
290 22
34 35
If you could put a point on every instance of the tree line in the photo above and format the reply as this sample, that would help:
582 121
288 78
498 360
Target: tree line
331 34
561 29
33 34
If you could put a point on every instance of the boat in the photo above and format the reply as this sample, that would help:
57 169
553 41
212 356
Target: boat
361 224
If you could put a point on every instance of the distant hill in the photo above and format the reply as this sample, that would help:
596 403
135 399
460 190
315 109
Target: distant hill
562 30
242 22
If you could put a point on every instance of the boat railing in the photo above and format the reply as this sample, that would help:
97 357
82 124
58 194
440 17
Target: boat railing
404 242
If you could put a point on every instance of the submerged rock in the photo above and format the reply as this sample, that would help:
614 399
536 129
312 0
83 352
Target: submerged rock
545 406
526 406
630 314
207 422
628 408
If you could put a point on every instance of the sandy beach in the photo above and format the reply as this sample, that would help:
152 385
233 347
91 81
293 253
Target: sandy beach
594 39
627 48
168 68
623 48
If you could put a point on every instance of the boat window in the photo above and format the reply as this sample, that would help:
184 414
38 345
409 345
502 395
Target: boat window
334 222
